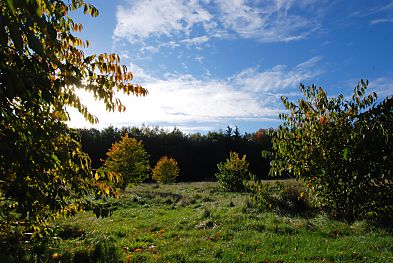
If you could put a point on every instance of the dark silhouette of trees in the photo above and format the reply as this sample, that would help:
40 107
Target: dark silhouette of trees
196 154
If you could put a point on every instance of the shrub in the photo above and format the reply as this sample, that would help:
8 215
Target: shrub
232 173
286 199
128 159
341 149
166 170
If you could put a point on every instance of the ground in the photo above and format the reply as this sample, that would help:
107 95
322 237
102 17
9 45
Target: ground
197 222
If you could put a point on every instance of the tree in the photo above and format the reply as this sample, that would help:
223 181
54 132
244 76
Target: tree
43 171
341 149
166 170
233 172
129 160
196 154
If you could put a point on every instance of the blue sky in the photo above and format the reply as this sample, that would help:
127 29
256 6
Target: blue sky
212 63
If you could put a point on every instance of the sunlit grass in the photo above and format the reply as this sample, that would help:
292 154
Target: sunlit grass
195 222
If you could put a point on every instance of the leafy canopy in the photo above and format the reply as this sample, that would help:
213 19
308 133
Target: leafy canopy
342 149
129 160
41 60
166 170
44 172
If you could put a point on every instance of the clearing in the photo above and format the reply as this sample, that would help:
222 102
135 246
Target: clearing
196 222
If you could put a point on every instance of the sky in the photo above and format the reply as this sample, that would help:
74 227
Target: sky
212 63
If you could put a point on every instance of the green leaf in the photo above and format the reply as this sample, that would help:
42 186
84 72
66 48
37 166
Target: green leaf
54 158
38 11
346 154
11 5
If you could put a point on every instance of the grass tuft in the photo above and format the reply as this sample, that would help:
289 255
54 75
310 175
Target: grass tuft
196 222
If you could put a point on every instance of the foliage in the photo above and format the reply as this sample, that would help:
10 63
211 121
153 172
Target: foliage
129 160
44 172
341 149
166 170
279 197
197 154
232 173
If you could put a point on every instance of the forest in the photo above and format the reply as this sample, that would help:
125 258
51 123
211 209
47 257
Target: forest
197 154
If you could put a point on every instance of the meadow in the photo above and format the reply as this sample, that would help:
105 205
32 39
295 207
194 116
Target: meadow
197 222
341 147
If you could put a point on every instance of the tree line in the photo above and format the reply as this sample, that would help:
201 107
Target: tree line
197 154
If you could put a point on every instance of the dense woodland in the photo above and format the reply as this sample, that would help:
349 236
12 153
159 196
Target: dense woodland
196 154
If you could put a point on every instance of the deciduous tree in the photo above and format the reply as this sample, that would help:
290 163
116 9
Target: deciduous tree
43 171
129 160
166 170
233 173
342 150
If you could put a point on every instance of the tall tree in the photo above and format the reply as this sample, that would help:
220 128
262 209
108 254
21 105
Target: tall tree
43 171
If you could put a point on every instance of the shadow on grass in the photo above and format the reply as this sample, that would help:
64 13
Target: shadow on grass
17 249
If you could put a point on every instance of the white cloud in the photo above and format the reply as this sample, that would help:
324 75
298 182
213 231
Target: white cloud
199 59
183 100
145 18
383 86
273 21
195 40
240 17
278 78
266 21
382 13
189 42
381 21
139 72
150 49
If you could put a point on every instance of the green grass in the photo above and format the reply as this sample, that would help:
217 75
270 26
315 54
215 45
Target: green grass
195 222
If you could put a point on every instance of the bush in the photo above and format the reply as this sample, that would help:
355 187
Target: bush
233 173
128 159
166 170
286 199
341 149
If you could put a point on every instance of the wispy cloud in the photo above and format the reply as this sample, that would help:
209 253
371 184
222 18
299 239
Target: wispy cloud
386 14
195 40
378 8
184 100
199 59
381 21
277 79
271 21
265 21
142 19
383 86
380 13
188 42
